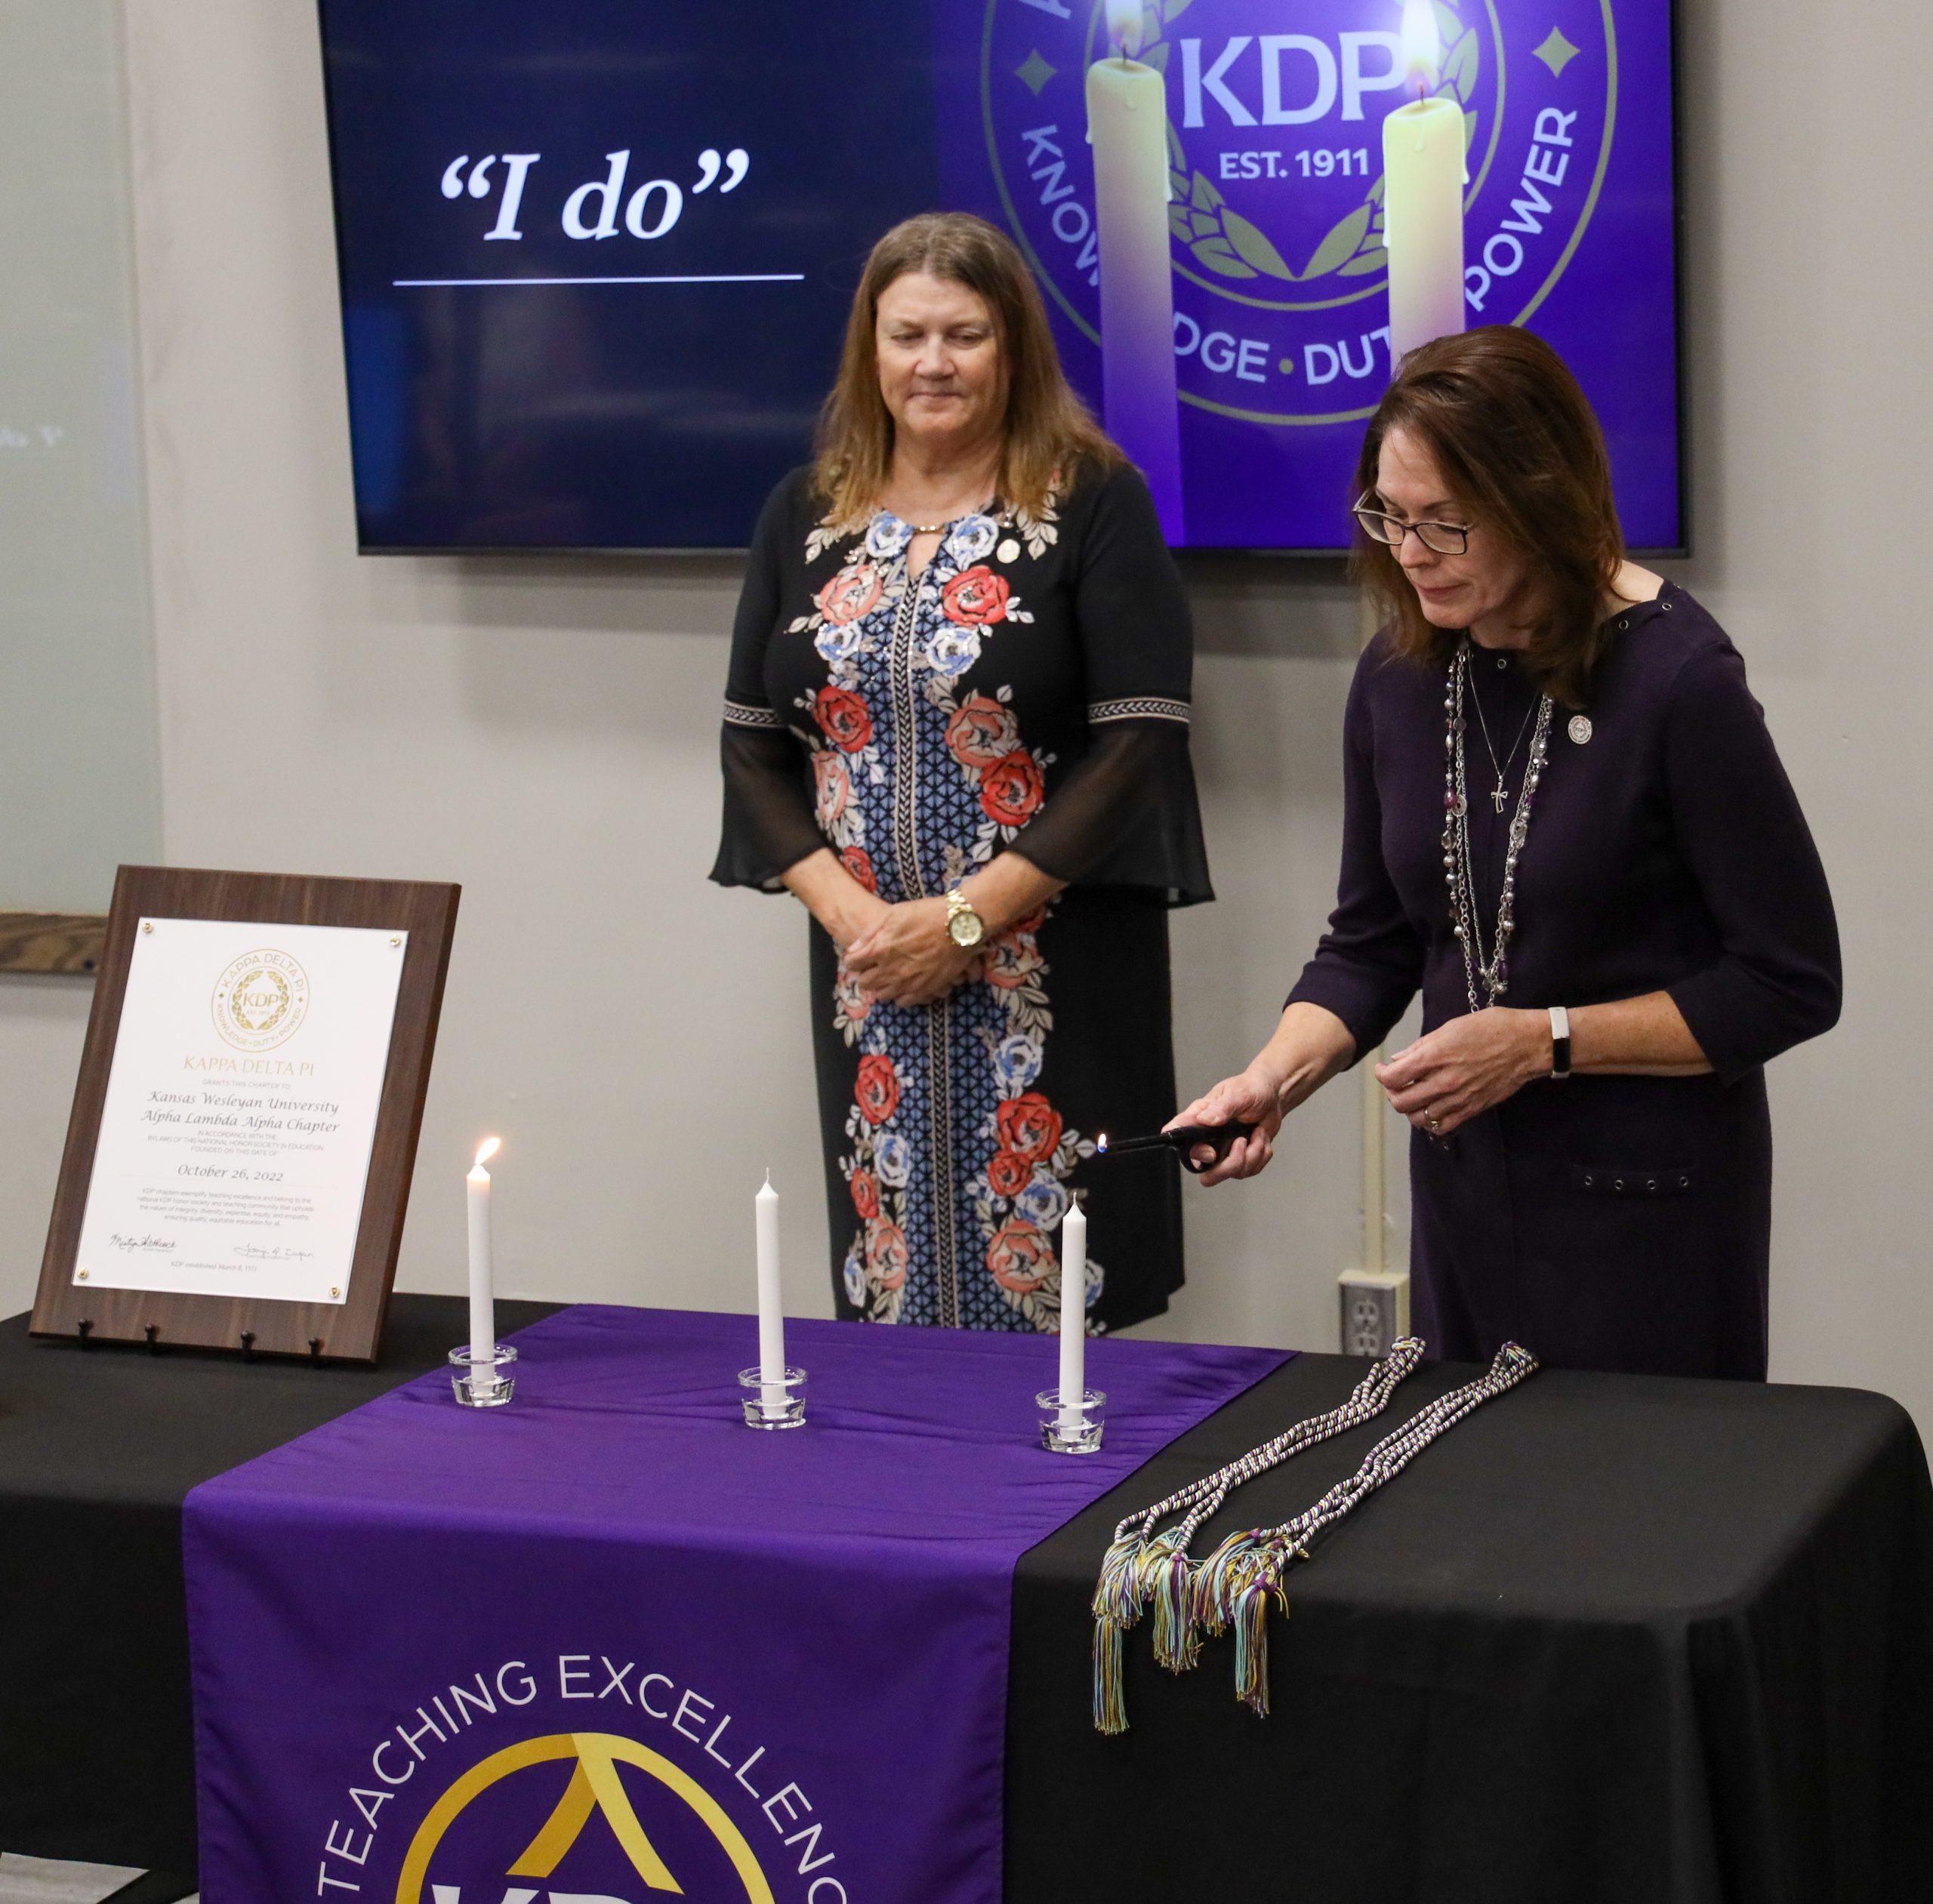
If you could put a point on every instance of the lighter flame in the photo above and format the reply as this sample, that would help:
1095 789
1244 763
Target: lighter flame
487 1150
1422 44
1125 27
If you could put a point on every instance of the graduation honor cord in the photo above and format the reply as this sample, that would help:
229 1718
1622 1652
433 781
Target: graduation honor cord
1231 1587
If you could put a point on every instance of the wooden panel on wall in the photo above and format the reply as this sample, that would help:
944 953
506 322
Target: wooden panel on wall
67 942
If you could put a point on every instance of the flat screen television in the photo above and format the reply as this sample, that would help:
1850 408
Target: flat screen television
596 256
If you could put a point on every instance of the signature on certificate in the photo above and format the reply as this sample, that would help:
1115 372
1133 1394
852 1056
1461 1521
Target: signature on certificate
143 1241
278 1252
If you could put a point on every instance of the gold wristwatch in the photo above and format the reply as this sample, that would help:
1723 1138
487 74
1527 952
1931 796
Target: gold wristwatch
964 926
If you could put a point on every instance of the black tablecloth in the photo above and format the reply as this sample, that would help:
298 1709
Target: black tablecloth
1613 1638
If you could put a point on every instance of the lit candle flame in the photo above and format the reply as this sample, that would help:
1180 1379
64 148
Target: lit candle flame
487 1150
1124 26
1101 1142
1422 46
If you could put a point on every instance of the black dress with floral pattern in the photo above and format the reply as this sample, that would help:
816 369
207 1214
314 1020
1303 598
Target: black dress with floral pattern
1028 689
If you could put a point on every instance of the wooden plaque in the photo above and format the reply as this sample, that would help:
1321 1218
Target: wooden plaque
349 1329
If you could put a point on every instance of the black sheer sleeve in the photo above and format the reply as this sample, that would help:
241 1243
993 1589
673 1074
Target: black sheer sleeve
1126 813
1369 963
768 824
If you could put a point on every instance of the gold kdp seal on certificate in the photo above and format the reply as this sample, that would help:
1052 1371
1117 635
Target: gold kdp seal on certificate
261 1000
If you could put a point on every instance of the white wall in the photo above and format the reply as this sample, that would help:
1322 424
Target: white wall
77 741
544 732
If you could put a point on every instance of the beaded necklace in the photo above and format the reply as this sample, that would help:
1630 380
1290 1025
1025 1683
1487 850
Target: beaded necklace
1492 973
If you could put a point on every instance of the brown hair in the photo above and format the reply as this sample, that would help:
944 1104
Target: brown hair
1047 431
1516 441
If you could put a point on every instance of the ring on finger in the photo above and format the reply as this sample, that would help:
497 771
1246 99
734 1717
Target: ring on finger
1430 1118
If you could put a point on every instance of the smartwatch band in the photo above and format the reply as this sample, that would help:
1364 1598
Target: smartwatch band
1560 1042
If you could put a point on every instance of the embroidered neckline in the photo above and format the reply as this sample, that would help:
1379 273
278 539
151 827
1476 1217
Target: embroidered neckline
994 511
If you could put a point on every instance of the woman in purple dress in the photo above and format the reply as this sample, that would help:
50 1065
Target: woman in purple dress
1565 824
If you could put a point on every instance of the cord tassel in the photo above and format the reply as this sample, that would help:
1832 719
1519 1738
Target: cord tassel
1150 1566
1250 1618
1110 1697
1220 1576
1117 1604
1200 1600
1177 1644
1116 1596
1211 1586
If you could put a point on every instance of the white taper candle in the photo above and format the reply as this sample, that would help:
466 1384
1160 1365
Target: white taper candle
1073 1313
482 1293
771 1306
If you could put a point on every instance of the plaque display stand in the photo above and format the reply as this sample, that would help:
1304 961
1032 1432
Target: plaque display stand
348 1330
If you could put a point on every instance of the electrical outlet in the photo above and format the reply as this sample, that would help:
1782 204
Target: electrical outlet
1375 1310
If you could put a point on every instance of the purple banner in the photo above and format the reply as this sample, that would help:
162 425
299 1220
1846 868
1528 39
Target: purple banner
609 1644
1279 279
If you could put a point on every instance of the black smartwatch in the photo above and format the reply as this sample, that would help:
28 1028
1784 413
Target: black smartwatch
1560 1042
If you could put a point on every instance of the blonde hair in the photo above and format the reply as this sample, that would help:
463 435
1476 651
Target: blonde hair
1047 434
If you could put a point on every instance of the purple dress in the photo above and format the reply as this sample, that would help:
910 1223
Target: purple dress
1606 1222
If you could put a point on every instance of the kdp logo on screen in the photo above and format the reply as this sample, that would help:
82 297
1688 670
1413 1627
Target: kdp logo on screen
490 1809
1275 173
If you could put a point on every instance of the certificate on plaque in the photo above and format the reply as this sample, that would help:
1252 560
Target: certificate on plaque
234 1146
245 1126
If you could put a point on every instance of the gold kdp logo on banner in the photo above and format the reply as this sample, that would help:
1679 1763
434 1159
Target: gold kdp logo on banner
261 1000
594 1800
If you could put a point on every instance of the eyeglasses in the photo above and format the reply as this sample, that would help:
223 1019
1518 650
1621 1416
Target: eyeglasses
1444 538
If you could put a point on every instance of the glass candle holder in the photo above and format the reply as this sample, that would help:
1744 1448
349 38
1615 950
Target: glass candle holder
483 1382
1072 1428
773 1404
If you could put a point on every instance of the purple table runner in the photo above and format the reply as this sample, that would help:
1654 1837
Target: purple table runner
609 1644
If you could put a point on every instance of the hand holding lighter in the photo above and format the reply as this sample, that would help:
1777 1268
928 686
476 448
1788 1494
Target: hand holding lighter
1184 1140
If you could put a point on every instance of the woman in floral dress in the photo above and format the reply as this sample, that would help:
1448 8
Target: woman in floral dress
956 728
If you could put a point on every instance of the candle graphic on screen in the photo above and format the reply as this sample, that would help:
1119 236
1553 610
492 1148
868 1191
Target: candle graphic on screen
1127 125
1422 196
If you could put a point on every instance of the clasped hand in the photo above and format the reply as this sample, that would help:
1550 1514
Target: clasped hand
1466 1066
905 957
